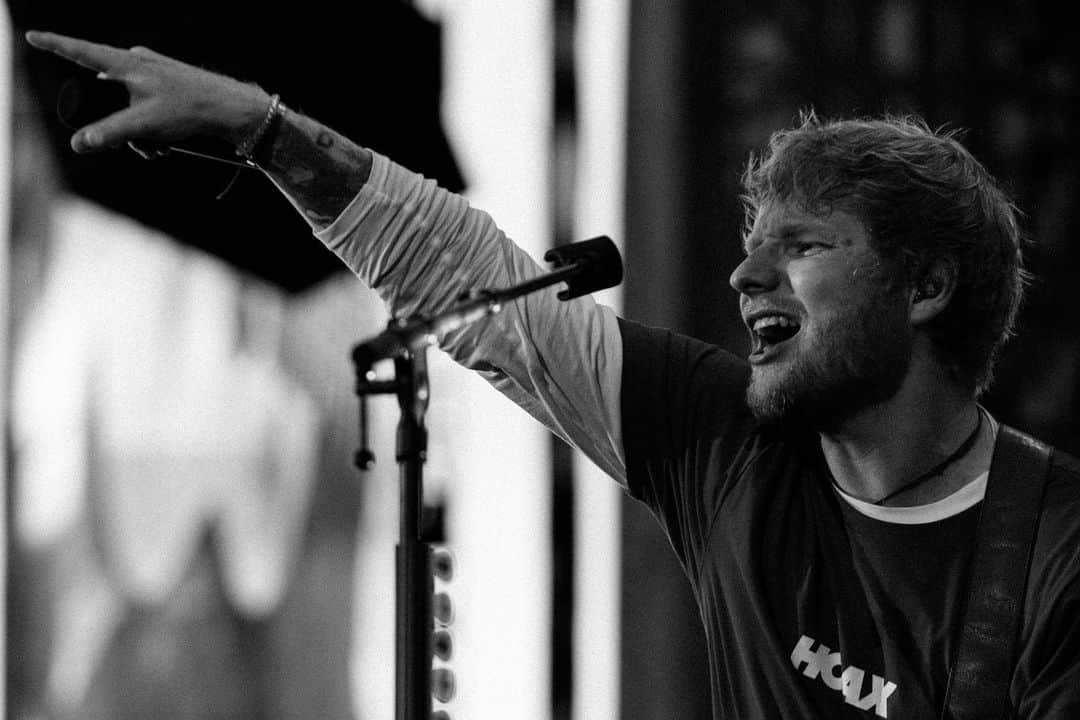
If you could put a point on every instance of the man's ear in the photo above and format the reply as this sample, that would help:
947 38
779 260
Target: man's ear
932 291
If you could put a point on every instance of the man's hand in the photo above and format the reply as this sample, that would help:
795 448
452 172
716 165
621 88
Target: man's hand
170 101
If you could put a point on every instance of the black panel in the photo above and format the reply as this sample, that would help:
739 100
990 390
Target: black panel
371 70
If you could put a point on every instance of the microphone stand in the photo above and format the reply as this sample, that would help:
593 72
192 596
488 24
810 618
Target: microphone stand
586 266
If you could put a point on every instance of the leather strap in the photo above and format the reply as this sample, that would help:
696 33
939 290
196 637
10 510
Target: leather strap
978 685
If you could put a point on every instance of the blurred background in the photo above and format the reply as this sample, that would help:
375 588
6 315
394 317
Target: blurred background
185 535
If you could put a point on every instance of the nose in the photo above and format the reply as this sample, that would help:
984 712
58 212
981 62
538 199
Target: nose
757 273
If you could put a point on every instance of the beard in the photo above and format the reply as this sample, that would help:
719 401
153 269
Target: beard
855 359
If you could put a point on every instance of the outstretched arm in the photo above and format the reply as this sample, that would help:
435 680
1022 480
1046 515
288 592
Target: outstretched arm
319 170
418 245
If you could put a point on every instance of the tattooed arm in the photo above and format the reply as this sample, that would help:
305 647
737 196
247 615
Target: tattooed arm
319 170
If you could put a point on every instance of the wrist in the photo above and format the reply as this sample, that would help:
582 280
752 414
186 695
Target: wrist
262 153
240 111
252 134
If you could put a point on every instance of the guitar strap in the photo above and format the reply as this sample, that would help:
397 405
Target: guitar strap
978 685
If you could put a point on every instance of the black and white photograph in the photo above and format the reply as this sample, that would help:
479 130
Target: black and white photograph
552 360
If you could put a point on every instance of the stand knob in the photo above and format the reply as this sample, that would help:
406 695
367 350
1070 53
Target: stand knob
443 686
442 564
442 609
442 644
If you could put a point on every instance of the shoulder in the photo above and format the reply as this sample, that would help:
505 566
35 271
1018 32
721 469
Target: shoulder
1061 504
1063 479
680 386
1065 468
1055 563
1055 569
651 350
684 416
1061 499
1044 682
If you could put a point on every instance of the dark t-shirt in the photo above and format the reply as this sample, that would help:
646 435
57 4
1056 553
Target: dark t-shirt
810 608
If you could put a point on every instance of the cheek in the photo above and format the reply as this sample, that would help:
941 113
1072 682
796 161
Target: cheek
833 284
824 293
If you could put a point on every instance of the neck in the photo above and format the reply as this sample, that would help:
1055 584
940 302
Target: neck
883 448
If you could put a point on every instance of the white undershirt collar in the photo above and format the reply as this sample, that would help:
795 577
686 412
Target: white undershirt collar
967 496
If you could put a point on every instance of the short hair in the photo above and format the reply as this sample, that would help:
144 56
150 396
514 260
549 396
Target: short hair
923 197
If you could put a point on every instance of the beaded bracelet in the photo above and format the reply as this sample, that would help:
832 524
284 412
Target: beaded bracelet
247 148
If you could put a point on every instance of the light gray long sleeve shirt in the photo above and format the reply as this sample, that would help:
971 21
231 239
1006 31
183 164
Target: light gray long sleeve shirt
420 247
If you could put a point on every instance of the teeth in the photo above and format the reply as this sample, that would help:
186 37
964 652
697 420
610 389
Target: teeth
773 321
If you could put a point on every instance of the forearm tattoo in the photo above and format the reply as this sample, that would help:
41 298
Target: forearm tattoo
319 170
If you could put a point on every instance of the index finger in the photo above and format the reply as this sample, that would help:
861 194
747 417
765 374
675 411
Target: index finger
88 54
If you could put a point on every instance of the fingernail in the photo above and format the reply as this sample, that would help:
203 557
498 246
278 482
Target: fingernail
83 141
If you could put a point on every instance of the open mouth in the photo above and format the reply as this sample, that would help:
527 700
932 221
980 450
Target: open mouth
769 332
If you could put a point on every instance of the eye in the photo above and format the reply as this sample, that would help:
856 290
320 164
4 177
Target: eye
802 248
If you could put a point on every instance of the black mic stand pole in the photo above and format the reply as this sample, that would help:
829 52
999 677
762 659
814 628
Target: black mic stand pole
585 267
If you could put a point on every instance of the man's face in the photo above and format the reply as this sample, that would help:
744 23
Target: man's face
830 336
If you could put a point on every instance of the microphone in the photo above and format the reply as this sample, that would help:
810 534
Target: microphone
585 267
598 263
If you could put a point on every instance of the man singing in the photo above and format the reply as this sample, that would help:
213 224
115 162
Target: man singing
826 494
